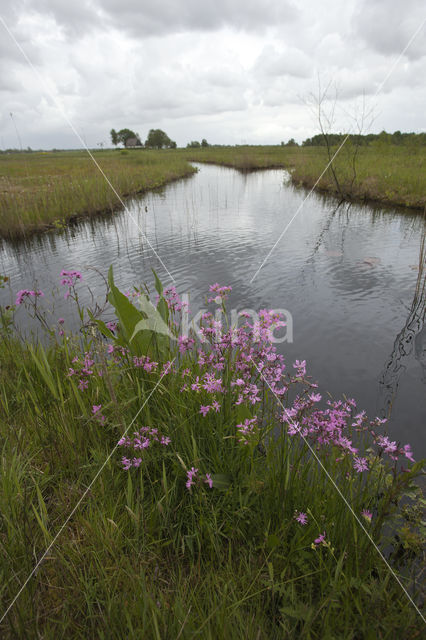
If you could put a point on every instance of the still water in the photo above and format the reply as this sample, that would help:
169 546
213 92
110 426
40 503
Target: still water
346 275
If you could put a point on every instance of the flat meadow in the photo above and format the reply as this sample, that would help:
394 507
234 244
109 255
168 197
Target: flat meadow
44 190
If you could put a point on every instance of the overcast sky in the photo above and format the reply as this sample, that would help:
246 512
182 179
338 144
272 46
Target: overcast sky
230 71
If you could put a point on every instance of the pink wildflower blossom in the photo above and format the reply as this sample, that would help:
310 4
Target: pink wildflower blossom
408 453
191 474
360 464
301 517
320 539
23 294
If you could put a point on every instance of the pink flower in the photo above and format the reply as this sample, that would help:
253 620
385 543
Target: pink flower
191 474
315 397
209 480
408 453
367 514
320 539
25 293
386 444
302 518
204 410
96 408
360 464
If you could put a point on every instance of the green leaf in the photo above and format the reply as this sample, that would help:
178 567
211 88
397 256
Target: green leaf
128 317
272 541
221 480
158 283
101 326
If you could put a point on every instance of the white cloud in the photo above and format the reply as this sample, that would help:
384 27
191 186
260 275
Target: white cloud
229 71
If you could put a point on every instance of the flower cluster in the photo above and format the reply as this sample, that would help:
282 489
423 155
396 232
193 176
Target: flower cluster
143 439
193 476
83 369
70 279
174 301
204 409
247 431
96 411
146 363
332 427
220 293
24 294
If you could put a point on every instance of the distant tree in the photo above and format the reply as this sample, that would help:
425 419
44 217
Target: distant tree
123 135
194 144
292 143
157 139
204 143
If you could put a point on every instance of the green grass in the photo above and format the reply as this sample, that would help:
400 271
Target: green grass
384 173
45 190
42 190
142 556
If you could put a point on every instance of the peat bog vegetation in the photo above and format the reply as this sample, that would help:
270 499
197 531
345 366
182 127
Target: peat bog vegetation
209 517
42 190
210 476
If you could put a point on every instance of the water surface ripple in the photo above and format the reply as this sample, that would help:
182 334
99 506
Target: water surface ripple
347 275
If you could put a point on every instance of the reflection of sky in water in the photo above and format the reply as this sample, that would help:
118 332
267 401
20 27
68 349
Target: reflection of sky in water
346 276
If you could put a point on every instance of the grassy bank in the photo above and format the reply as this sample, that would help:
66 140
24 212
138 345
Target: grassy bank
45 190
390 174
209 518
42 190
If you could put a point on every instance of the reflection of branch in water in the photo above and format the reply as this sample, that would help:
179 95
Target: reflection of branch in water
413 335
324 230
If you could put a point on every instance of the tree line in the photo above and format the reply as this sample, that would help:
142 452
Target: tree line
397 138
157 139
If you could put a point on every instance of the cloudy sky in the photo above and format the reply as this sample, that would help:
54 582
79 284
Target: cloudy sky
231 71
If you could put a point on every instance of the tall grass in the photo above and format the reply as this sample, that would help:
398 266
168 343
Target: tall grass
44 190
381 172
154 551
38 190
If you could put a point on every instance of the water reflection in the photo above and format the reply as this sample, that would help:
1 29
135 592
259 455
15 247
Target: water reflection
411 338
217 226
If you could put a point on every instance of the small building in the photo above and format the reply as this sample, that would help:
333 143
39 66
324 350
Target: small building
132 142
